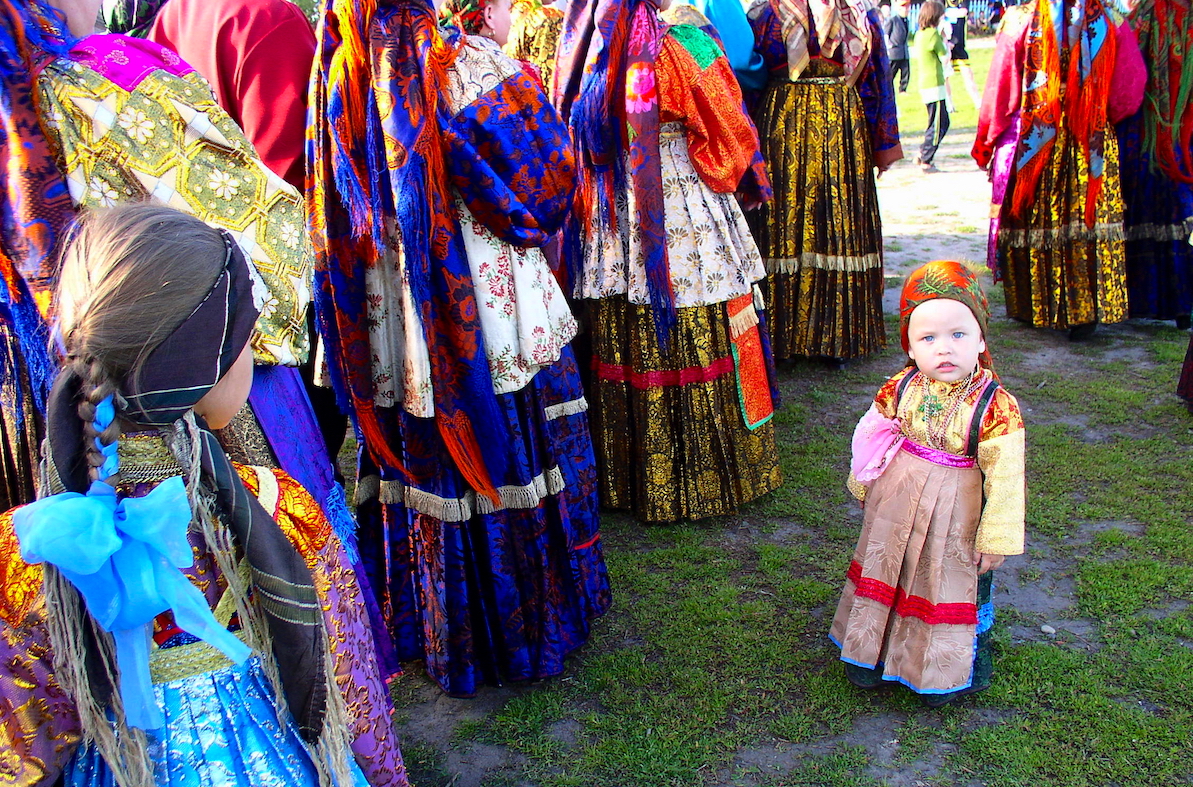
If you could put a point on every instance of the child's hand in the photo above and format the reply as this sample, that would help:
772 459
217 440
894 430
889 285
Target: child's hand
987 562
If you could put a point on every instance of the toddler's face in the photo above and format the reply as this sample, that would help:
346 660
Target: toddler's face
944 340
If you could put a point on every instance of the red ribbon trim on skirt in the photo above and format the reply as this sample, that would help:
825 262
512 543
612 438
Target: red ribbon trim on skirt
692 374
910 606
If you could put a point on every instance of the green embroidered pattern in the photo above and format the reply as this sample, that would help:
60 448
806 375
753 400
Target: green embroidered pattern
700 45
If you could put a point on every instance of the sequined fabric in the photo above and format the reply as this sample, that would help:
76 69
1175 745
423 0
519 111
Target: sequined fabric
668 426
821 237
1058 271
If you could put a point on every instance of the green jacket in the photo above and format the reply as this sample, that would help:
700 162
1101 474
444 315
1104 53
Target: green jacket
928 49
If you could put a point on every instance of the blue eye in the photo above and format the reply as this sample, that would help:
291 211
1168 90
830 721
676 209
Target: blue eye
929 338
958 334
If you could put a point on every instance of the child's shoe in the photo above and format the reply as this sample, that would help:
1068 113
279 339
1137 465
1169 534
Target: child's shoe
863 677
940 700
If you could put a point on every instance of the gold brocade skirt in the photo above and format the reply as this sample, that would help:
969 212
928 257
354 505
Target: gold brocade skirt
20 431
821 236
670 438
1058 271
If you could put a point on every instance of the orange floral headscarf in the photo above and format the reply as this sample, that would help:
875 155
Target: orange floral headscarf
944 279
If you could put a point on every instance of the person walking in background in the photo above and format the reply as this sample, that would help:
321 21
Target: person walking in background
932 64
898 30
956 32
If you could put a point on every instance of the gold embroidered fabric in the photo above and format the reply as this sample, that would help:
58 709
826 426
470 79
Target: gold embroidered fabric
20 583
244 441
533 37
38 726
1001 451
145 458
169 142
1059 272
668 451
821 236
1002 459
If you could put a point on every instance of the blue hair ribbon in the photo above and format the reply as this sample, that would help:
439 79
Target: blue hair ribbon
124 557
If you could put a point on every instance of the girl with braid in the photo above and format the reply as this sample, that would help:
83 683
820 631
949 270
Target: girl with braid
201 618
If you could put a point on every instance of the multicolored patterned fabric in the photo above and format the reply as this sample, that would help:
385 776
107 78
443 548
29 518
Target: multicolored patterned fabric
944 279
611 116
132 122
45 731
488 563
1156 153
468 15
520 189
34 209
840 27
1168 107
706 144
479 594
1079 34
913 606
176 374
534 37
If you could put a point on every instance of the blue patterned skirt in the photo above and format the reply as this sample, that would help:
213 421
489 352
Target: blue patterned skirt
221 731
1158 220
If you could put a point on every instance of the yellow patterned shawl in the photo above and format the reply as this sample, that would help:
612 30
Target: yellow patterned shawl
168 141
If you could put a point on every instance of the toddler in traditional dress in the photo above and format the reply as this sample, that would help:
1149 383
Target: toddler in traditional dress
938 466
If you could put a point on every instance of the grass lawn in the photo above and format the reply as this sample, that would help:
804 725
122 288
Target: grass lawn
713 667
912 115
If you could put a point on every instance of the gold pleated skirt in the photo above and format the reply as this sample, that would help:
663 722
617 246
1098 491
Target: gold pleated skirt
670 438
1058 271
20 432
821 236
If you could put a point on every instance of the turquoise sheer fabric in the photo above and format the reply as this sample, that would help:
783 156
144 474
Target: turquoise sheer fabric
125 558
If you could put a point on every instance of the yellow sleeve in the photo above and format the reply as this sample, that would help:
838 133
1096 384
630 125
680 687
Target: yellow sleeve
1001 455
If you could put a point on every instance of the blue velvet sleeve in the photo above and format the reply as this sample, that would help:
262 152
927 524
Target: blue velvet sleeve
510 157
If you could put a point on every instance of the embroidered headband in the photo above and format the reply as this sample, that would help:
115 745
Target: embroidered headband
193 358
